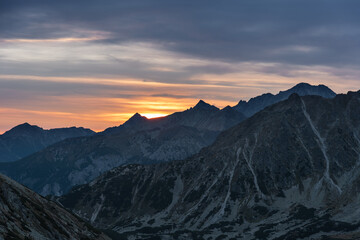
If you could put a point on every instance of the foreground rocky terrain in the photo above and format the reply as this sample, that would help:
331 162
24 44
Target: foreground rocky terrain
290 171
57 168
26 215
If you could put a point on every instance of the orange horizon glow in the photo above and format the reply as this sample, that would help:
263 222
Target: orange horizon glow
104 111
113 100
96 67
98 120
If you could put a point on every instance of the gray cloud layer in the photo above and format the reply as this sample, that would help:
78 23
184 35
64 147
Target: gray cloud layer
297 32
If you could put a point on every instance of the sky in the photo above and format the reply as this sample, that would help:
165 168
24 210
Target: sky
96 63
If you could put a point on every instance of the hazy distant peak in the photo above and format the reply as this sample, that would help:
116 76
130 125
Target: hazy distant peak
25 139
25 125
205 106
23 128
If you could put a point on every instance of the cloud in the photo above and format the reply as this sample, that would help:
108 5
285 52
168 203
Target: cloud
231 31
95 59
178 96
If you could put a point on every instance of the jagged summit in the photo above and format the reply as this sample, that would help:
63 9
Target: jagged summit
135 119
205 106
136 116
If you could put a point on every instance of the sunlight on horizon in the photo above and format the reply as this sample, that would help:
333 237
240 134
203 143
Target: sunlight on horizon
153 115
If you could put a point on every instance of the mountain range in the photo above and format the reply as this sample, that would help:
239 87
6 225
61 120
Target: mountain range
291 171
26 139
288 171
74 161
55 169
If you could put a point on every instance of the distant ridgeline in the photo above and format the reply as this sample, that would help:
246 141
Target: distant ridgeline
26 139
73 161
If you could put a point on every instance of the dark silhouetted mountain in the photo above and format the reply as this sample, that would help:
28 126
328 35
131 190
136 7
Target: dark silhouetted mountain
26 139
26 215
258 103
201 105
290 171
133 124
57 168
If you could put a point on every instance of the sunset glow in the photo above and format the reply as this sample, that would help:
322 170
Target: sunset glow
89 70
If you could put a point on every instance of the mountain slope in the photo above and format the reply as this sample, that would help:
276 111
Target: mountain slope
57 168
26 215
289 172
26 139
258 103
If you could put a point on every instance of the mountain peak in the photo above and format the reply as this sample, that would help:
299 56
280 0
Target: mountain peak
308 89
136 119
136 116
302 85
23 128
203 105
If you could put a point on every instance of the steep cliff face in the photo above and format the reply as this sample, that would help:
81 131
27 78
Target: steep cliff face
289 172
26 215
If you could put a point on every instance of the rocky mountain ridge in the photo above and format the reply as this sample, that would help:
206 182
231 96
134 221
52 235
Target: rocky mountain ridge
288 172
139 140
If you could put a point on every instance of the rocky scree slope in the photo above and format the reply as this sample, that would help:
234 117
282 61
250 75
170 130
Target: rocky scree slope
26 215
290 171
